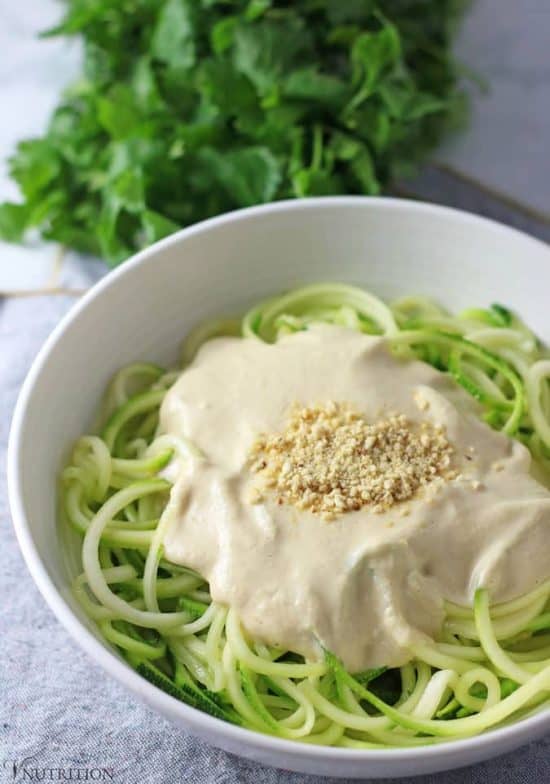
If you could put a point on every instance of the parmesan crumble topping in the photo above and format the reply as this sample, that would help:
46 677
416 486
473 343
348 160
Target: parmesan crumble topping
330 460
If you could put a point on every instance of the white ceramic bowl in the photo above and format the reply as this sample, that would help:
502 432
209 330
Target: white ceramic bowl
142 311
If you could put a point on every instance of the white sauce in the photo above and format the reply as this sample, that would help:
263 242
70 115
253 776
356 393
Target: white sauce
366 585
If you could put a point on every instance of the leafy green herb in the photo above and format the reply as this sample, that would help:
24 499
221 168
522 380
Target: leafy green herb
188 108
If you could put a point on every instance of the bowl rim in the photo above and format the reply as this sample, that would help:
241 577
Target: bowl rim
193 718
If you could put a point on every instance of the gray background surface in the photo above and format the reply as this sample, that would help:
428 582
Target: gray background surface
56 706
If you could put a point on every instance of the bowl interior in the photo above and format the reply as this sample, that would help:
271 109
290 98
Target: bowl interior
143 311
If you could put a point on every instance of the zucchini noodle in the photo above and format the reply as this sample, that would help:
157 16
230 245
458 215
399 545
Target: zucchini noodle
490 665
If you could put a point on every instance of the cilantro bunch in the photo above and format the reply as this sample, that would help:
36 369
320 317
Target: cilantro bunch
188 108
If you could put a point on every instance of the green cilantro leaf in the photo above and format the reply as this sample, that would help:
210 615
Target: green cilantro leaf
189 108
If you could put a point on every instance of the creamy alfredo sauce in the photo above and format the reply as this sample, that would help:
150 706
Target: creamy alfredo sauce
366 584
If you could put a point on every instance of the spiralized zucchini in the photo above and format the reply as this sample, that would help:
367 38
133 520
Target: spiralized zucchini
490 664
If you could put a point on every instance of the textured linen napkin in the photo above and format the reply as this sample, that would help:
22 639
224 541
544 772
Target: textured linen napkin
65 716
